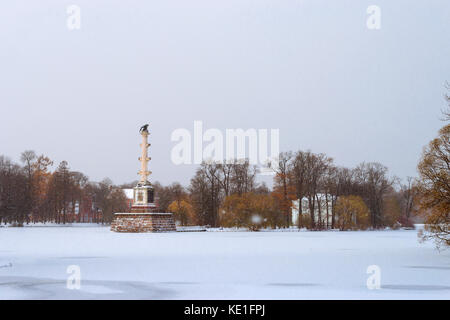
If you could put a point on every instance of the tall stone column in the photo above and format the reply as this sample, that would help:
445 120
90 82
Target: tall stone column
144 159
144 192
144 215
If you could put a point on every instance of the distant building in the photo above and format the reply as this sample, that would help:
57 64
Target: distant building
322 209
87 212
130 197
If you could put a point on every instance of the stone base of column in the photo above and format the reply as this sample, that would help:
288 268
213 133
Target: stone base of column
143 222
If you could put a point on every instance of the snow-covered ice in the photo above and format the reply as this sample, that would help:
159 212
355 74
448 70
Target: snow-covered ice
219 265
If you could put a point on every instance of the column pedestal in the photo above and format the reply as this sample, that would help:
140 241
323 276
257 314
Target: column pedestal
143 222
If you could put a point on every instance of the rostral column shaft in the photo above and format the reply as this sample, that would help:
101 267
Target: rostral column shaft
144 173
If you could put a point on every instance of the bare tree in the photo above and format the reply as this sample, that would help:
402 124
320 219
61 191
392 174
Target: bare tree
298 168
373 184
224 177
317 168
409 193
205 192
282 188
13 206
28 157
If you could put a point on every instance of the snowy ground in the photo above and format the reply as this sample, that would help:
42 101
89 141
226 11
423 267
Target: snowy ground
219 265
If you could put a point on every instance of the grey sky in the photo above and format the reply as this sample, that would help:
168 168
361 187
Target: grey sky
310 68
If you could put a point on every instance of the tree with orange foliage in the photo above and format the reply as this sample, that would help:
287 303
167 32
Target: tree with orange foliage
41 180
352 213
434 187
250 210
183 211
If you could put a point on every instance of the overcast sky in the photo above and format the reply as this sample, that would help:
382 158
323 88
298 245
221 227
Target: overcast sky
309 68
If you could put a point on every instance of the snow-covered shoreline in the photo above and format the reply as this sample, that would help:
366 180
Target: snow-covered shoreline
187 228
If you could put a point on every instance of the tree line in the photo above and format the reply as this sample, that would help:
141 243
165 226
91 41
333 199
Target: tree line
219 194
222 195
32 192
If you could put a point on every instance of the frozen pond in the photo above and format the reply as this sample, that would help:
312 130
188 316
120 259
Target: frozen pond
219 265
